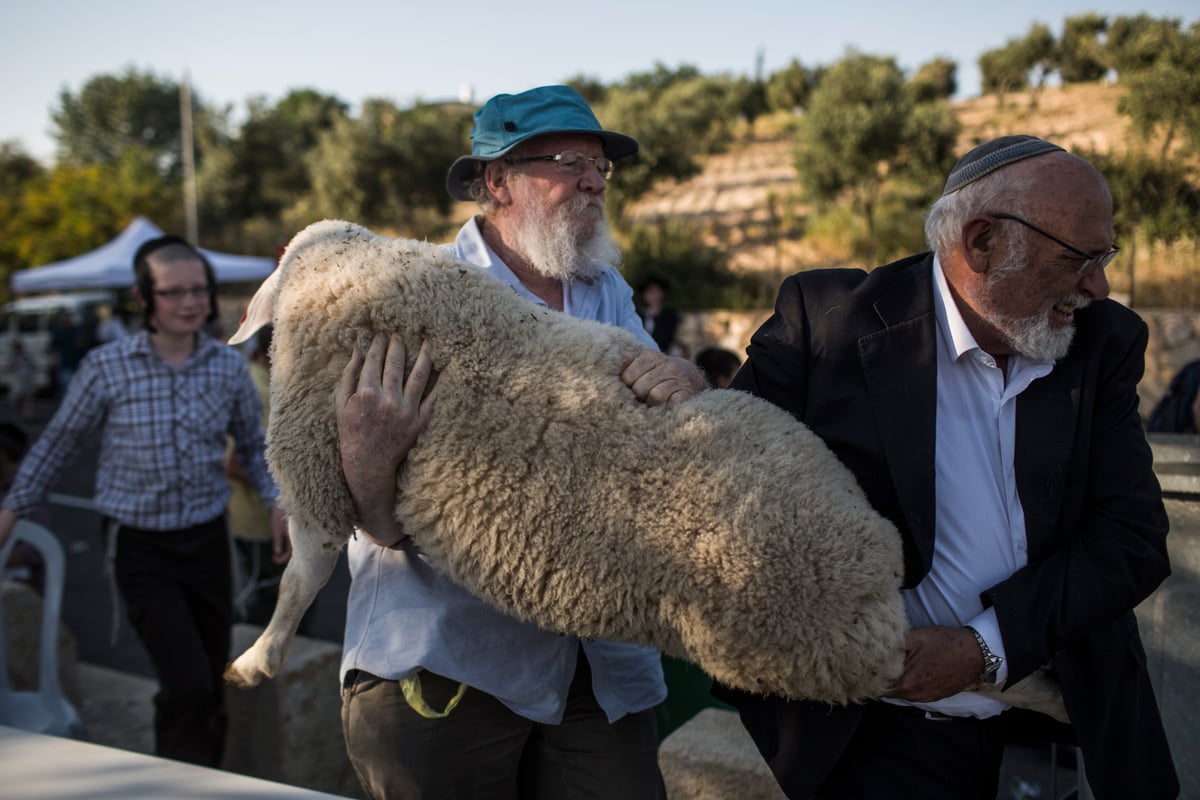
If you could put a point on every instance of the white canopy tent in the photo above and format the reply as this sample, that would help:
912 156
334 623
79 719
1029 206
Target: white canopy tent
110 266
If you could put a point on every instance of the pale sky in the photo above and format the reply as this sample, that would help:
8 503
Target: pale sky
407 50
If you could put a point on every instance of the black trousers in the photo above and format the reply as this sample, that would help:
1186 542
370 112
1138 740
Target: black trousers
178 592
900 751
484 751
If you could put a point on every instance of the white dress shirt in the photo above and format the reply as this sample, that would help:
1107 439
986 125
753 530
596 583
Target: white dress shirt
979 537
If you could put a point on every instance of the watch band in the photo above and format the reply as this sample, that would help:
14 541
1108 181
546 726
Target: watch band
991 661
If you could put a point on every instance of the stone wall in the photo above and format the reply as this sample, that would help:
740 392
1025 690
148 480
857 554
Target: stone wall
1174 341
289 728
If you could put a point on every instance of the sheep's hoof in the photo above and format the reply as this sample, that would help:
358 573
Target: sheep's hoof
242 675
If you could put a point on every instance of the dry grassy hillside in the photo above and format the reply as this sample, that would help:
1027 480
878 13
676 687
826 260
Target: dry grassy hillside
743 198
1083 116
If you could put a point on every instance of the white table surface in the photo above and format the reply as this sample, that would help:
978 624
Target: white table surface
34 766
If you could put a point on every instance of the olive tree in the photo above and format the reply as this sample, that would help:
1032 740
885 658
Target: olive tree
865 133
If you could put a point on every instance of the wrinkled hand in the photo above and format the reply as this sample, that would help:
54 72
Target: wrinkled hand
281 542
379 415
657 378
938 662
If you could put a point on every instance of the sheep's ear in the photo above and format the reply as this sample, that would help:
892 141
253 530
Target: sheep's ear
259 312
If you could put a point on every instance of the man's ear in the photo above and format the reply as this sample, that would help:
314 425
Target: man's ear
978 242
496 178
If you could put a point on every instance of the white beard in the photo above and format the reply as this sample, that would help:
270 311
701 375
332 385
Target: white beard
563 243
1033 337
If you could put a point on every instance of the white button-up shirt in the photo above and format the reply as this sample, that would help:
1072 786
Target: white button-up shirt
979 537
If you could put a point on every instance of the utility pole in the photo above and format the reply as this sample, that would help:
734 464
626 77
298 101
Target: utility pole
189 163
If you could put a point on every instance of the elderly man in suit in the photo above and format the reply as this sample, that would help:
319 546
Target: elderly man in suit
984 394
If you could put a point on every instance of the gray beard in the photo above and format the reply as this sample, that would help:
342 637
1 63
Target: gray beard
1032 337
1036 338
550 243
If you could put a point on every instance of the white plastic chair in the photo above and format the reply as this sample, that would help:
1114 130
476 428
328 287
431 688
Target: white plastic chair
45 710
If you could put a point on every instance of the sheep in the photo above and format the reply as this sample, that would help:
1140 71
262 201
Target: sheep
719 530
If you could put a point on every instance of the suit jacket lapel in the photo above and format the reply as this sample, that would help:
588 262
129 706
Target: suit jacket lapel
900 365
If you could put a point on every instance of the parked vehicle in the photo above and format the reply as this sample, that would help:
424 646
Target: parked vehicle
31 321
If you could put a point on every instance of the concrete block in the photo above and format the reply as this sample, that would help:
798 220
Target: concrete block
711 757
289 729
117 708
1170 625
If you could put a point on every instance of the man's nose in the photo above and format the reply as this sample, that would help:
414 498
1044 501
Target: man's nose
1095 284
591 180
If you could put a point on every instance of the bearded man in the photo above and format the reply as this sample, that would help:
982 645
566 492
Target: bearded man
443 696
985 396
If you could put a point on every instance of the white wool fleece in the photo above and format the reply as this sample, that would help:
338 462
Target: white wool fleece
720 530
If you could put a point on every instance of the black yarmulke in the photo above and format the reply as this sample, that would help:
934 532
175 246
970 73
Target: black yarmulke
991 156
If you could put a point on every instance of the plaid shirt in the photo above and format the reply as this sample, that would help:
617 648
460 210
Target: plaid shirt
163 434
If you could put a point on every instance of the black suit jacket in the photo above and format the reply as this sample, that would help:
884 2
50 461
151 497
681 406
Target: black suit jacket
666 325
852 354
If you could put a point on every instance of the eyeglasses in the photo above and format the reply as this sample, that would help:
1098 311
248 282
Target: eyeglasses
179 294
572 162
1091 262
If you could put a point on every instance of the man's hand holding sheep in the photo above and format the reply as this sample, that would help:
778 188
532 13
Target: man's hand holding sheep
379 414
657 378
381 411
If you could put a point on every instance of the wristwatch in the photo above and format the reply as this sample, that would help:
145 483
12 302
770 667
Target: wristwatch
991 661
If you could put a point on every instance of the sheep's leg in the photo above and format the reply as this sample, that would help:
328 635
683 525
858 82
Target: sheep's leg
1038 691
312 562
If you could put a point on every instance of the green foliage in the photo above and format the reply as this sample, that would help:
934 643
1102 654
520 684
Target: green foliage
698 274
1135 43
1164 92
270 153
899 230
927 151
750 96
16 167
935 80
789 88
116 113
262 171
852 126
659 78
1010 68
1151 198
71 209
1081 56
386 167
17 171
676 117
1002 72
865 133
592 89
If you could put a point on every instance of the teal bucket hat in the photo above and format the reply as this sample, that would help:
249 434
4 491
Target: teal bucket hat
506 120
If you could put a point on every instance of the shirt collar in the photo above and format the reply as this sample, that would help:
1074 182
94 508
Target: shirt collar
474 247
959 340
958 337
139 344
